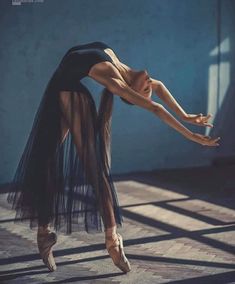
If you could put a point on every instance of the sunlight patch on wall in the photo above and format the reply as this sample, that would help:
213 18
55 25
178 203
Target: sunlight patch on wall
218 78
224 48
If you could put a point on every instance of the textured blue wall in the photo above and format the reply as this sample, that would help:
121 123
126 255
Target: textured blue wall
171 39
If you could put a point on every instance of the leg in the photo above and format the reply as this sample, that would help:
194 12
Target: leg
77 109
43 222
73 106
45 238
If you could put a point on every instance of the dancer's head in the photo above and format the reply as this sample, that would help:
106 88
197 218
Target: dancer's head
141 83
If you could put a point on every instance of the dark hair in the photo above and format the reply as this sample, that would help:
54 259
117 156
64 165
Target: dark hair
126 101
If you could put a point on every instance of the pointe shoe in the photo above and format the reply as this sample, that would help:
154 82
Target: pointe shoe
123 263
45 242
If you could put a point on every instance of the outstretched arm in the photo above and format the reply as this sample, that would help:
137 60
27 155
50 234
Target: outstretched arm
119 88
204 140
164 94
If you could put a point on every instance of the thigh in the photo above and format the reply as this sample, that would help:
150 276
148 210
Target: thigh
67 100
78 111
70 119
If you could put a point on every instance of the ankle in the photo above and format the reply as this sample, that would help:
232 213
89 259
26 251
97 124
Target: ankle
110 233
44 229
110 239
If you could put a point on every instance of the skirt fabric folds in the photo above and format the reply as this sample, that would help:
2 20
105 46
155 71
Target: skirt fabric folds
64 183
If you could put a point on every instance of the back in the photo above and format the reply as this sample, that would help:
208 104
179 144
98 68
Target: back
78 60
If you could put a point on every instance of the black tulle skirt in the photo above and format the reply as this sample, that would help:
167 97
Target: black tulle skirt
66 180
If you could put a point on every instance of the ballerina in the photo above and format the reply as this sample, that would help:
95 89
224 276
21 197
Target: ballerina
43 190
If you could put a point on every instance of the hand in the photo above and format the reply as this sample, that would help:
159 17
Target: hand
204 140
198 119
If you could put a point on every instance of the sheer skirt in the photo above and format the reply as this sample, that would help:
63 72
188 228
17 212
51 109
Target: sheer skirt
64 176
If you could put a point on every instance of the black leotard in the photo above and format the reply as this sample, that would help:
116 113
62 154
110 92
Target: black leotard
78 61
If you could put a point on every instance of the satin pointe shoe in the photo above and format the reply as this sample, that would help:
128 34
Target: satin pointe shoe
122 263
45 242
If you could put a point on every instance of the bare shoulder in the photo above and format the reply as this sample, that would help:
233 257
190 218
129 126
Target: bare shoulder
122 68
114 57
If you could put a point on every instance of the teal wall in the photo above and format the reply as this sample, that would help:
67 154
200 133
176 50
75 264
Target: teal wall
171 39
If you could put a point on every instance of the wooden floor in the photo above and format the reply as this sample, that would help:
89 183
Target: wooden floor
179 227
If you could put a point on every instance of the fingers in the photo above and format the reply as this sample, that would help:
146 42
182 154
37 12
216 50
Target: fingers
205 120
205 140
208 116
202 120
211 142
207 124
216 139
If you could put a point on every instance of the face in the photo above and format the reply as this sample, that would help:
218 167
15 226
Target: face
141 83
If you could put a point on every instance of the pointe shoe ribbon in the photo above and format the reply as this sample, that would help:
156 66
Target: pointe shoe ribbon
45 242
123 263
